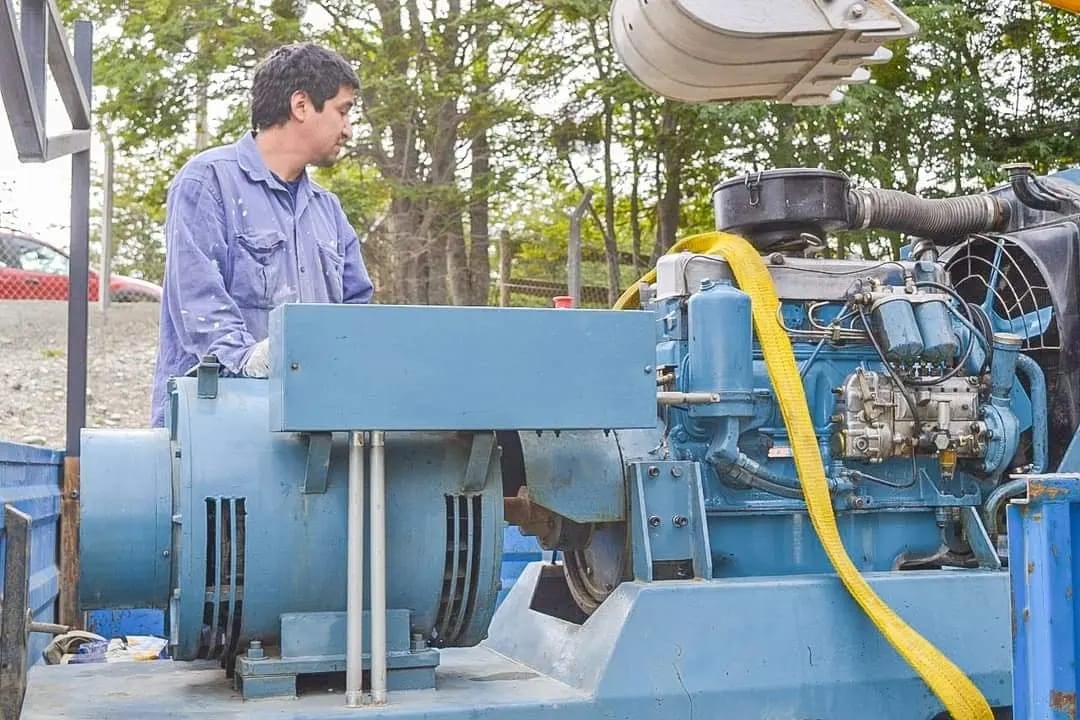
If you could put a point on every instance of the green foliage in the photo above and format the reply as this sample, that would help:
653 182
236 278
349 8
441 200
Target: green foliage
479 117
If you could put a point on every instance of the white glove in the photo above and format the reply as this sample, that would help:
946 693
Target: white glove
258 360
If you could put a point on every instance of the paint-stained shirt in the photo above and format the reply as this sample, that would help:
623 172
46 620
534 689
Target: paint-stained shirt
238 245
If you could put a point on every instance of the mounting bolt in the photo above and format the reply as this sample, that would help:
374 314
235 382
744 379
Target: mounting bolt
654 521
295 366
653 471
676 471
679 521
419 644
255 650
648 369
858 10
164 553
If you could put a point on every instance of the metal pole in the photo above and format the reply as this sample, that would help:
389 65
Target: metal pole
78 280
378 568
32 25
354 616
573 251
80 261
106 225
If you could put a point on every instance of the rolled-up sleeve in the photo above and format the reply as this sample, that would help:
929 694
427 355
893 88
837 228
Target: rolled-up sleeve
206 318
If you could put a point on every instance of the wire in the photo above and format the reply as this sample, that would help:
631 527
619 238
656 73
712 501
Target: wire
859 475
971 340
892 373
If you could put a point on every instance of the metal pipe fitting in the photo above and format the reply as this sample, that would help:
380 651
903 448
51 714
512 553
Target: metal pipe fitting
378 568
354 616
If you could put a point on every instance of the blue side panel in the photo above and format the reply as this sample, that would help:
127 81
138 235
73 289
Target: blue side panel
518 551
119 623
1043 567
30 480
1071 175
383 367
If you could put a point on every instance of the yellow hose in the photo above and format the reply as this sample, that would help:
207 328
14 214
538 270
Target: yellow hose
1070 5
957 692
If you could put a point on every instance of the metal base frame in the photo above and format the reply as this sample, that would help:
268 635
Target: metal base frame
314 643
790 647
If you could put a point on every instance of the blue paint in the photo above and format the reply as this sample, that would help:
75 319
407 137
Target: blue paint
126 526
794 647
223 461
894 323
720 358
120 623
30 479
518 552
1044 569
338 367
1039 413
576 474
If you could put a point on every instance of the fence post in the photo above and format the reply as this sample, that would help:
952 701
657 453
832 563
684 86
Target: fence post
106 224
573 251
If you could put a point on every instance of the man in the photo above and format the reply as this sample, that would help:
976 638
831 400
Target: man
246 230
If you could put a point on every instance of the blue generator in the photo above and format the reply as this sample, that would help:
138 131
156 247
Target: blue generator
327 543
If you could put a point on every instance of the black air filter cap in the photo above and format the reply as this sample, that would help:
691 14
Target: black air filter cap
779 206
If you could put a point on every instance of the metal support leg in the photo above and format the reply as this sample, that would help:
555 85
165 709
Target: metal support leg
354 647
378 568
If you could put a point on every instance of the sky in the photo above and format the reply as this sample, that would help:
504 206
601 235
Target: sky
36 197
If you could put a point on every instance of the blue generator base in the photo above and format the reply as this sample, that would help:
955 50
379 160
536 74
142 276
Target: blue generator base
746 648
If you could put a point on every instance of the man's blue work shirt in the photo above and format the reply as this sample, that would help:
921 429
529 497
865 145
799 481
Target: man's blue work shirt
237 246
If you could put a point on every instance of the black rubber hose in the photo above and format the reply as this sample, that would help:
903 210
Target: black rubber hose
946 221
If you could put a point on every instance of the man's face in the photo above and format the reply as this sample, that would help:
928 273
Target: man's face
328 130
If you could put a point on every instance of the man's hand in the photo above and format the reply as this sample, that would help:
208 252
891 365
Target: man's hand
258 361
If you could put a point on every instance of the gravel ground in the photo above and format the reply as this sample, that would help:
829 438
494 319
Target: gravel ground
33 371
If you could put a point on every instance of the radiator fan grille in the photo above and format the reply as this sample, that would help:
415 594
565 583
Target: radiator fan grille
995 274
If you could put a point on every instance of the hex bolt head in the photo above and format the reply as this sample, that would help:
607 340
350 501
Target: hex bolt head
858 10
654 521
255 650
679 521
654 471
676 471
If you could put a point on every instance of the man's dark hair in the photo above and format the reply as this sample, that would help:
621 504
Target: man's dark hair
314 70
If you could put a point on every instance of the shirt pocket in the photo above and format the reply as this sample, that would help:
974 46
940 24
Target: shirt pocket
260 269
333 265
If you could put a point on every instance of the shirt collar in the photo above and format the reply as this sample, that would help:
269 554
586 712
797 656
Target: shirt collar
251 162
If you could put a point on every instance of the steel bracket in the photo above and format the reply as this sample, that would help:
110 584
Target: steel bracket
318 463
207 373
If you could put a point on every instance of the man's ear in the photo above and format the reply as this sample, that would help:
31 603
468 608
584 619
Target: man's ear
300 105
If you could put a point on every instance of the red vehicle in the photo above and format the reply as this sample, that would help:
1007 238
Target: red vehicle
32 270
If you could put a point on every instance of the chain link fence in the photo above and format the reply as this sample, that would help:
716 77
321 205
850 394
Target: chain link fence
122 343
31 269
524 280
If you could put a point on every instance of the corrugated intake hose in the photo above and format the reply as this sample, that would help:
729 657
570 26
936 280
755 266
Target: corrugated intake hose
941 220
962 700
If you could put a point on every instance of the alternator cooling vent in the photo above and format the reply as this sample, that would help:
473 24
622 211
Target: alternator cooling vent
998 276
223 607
461 573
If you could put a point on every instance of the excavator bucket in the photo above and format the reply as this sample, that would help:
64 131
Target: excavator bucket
801 52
